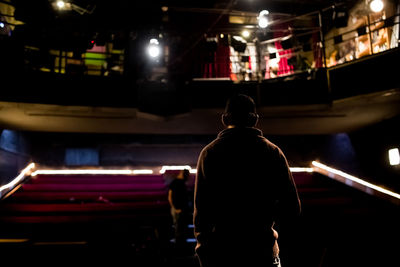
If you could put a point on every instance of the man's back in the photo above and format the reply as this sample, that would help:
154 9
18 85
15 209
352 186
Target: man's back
244 177
243 186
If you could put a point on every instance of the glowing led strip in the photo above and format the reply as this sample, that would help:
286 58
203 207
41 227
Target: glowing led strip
122 172
17 179
355 179
301 169
81 172
142 172
130 172
177 167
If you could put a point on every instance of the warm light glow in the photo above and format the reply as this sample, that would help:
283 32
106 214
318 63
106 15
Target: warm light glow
13 240
376 5
394 156
17 179
355 179
263 19
245 33
301 169
60 4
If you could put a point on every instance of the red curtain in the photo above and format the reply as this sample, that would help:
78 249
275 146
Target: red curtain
217 63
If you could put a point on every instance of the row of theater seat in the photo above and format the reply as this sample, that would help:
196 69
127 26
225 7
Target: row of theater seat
117 207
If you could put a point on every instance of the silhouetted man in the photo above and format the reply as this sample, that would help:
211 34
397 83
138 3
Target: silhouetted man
178 200
243 186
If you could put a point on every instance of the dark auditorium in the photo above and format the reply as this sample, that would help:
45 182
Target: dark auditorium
201 133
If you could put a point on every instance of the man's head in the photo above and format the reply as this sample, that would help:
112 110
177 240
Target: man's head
240 111
183 174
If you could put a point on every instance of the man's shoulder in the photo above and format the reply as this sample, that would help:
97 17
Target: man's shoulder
210 146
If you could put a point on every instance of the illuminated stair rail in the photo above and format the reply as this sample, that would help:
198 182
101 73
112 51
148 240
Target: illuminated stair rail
356 182
13 185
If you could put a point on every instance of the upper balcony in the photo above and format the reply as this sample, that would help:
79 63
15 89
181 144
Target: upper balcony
298 61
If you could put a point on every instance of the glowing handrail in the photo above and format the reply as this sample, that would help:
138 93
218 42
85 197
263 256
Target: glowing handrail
356 180
301 169
130 172
83 171
17 179
175 168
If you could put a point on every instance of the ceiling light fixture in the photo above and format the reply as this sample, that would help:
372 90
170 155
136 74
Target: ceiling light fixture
263 19
376 5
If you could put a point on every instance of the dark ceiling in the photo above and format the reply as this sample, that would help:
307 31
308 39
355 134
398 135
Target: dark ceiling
47 27
136 14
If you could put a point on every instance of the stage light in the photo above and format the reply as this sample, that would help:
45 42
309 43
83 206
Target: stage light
376 5
60 4
263 19
154 49
394 156
245 33
2 25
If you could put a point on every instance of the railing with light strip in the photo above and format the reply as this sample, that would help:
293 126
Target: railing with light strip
356 182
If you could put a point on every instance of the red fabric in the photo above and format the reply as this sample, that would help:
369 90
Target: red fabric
284 67
317 51
219 67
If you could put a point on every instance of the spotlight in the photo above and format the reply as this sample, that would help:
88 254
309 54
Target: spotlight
376 5
245 34
68 6
2 25
263 19
60 4
154 49
394 156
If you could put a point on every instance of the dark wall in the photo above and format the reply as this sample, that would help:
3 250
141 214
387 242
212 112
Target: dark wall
119 149
363 153
372 145
14 154
370 74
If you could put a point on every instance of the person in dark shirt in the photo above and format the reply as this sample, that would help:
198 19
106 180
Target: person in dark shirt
178 200
243 188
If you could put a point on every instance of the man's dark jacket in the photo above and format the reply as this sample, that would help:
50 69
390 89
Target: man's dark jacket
243 185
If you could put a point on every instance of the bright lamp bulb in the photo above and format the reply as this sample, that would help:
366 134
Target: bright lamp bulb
263 19
154 51
245 33
394 156
60 4
263 22
376 5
